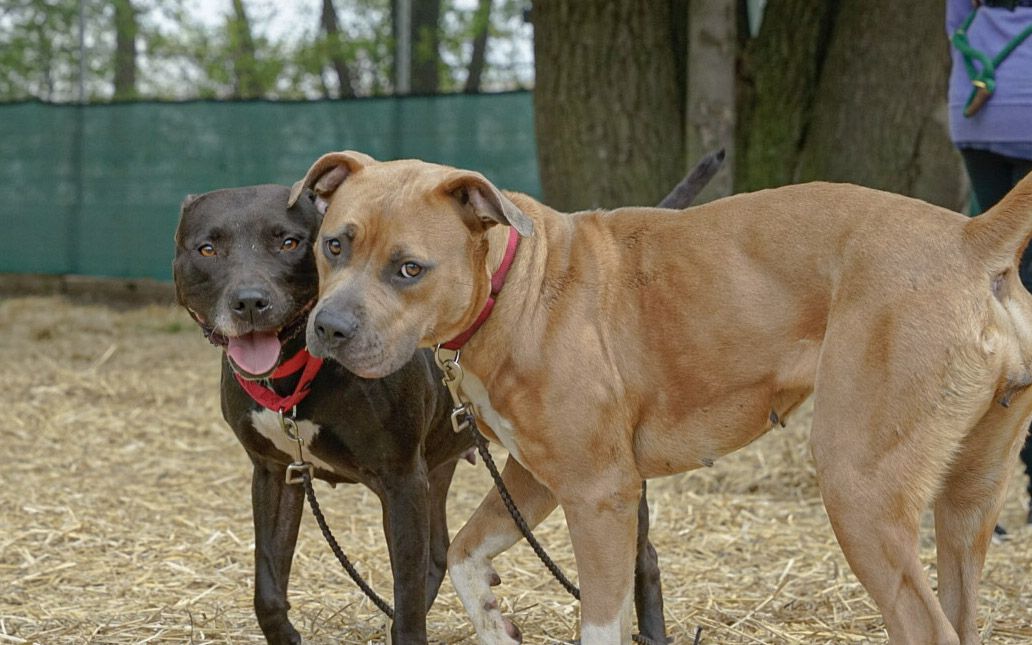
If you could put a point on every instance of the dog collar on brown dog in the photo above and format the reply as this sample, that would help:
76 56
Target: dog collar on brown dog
497 282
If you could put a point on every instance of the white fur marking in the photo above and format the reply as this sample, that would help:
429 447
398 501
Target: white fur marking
477 393
470 579
599 634
267 423
612 632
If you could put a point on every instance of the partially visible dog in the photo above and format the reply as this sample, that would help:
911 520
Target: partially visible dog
636 343
245 269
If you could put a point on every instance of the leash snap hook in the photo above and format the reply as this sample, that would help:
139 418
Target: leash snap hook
460 417
289 427
296 472
462 410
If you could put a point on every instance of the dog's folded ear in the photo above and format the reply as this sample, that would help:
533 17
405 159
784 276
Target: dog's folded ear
327 174
184 206
474 192
188 201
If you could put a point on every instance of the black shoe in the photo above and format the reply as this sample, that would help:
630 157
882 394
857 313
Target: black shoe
999 535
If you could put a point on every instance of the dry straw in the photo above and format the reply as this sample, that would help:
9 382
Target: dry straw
126 517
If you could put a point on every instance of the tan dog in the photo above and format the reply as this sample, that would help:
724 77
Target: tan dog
641 342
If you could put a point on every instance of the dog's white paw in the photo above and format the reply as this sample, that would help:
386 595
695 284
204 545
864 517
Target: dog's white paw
473 579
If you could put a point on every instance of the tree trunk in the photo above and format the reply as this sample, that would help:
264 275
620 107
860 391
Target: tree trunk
879 113
335 47
126 29
608 101
247 82
712 47
425 54
421 74
778 81
481 23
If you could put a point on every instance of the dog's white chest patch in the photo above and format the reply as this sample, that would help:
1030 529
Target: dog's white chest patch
503 428
267 423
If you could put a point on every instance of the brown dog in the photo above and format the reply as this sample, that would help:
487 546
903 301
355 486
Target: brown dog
640 342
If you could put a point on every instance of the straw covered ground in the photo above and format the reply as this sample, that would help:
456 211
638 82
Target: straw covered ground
126 516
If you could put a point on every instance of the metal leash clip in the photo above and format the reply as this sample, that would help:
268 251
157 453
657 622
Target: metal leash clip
296 470
462 410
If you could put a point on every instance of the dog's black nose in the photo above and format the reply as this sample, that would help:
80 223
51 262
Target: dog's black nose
335 327
248 303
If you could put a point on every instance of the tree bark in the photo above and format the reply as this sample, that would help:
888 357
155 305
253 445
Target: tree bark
608 101
879 113
126 30
335 47
712 49
777 84
425 55
481 24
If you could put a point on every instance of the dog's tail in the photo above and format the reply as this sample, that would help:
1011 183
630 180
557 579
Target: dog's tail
1002 233
683 193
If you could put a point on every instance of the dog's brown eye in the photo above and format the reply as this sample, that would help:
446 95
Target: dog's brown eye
290 244
333 247
410 270
207 250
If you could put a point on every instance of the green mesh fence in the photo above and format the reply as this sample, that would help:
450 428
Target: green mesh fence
95 190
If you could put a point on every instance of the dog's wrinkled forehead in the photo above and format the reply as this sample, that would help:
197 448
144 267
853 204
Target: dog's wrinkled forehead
406 192
238 209
392 198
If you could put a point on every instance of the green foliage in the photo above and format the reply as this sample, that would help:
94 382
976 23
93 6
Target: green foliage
365 42
506 31
180 55
39 44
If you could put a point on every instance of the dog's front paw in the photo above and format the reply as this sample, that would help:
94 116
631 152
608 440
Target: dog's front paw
512 630
284 635
473 578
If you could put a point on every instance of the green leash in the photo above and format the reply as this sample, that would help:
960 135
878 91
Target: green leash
984 80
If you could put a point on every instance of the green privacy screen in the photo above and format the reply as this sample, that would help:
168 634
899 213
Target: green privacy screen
95 190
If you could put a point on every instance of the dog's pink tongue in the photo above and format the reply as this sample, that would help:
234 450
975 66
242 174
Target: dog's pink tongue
255 353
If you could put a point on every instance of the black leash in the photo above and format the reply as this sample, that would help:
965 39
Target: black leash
482 447
462 417
485 454
356 577
300 472
517 517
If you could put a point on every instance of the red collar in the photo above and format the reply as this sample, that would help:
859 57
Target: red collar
497 282
302 362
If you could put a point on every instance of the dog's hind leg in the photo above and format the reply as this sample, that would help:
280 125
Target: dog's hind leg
276 507
648 590
885 426
440 480
875 511
966 510
488 532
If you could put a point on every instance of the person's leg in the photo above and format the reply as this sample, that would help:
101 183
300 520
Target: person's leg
1026 458
990 174
1019 168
